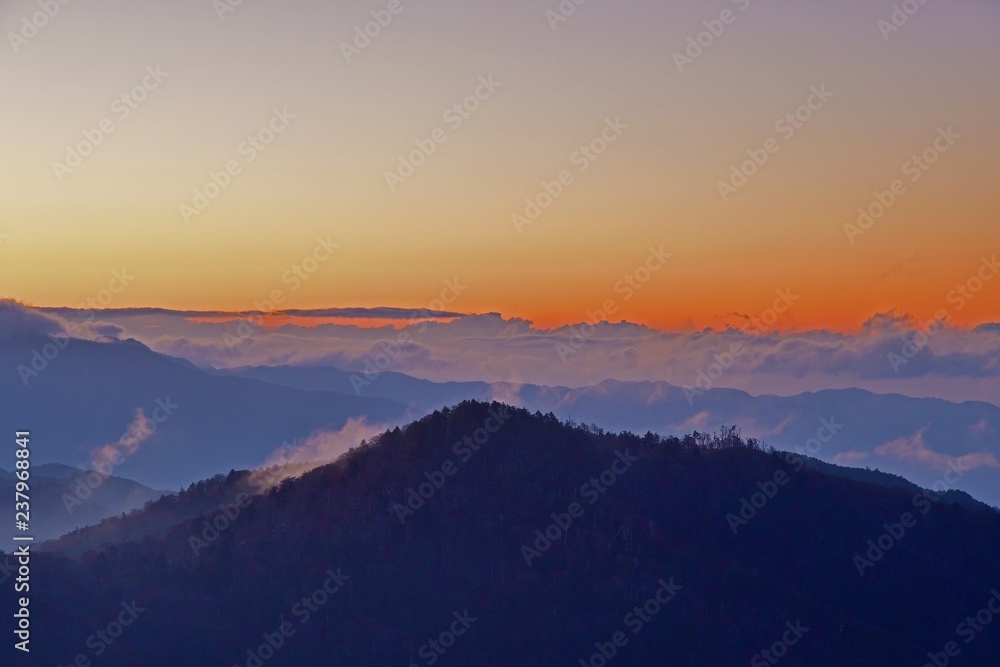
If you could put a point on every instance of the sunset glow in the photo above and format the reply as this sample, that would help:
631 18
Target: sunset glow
796 115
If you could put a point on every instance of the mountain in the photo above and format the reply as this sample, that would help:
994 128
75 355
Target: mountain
87 395
488 535
919 438
64 498
422 395
891 481
246 414
913 437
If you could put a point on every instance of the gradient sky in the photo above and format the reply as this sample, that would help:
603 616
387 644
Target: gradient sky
655 186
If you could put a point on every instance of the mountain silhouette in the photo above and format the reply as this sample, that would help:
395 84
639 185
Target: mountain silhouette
488 535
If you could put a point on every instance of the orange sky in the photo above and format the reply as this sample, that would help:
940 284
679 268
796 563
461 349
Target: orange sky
656 184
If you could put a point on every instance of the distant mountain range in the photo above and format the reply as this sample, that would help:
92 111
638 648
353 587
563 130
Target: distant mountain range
914 437
88 394
220 420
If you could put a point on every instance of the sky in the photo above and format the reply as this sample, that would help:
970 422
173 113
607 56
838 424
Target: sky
301 131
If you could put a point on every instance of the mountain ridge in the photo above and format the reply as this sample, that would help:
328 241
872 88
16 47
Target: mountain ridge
662 519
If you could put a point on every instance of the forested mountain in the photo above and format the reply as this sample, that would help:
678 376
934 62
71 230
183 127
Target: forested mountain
487 535
885 431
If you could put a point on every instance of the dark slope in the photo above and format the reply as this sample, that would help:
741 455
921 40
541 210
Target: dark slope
891 481
664 518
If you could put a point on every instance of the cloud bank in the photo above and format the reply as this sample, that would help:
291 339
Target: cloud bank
890 353
18 321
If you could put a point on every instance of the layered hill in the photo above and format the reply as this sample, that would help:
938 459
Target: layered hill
64 498
88 394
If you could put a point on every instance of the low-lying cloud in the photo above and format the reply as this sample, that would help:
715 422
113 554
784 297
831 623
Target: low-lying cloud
953 363
18 321
107 457
320 448
913 449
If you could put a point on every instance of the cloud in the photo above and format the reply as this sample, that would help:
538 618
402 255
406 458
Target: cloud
981 429
107 457
358 313
890 322
699 421
956 363
101 330
19 321
913 449
319 448
506 392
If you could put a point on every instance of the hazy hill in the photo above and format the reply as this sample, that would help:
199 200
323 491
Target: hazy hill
87 395
423 395
64 498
